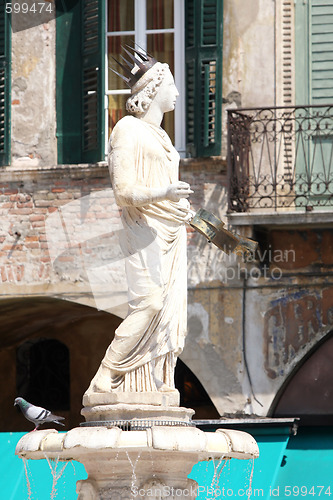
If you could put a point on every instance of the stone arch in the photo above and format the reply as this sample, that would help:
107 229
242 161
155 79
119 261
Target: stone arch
85 331
307 392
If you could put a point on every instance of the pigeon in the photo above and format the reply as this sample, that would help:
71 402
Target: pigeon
36 414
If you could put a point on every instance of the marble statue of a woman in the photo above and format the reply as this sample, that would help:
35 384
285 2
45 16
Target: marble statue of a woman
143 166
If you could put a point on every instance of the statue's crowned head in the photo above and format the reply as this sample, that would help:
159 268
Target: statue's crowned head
143 74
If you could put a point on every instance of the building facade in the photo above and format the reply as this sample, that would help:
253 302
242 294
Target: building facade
254 131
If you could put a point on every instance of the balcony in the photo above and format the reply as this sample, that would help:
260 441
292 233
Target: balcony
280 159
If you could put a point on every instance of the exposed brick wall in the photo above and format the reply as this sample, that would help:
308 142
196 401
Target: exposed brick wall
28 197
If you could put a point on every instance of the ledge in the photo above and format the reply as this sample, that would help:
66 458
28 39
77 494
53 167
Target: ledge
25 171
27 166
291 219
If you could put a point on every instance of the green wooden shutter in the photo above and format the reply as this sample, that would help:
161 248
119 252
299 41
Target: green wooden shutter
93 51
204 22
321 16
4 85
68 81
80 53
314 86
314 51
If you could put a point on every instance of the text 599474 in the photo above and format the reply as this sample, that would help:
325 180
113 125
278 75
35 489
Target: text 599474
29 8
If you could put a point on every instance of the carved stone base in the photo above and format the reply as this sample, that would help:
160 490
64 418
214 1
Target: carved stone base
132 398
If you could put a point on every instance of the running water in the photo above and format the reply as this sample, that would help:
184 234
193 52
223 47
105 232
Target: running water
217 472
56 475
27 474
134 478
250 480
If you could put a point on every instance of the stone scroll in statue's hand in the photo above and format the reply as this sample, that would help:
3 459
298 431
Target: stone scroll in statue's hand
213 229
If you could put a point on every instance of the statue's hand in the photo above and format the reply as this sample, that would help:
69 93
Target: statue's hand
178 190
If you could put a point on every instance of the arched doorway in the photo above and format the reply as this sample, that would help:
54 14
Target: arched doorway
34 332
193 394
308 393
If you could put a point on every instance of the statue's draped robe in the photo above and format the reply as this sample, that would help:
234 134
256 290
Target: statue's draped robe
154 244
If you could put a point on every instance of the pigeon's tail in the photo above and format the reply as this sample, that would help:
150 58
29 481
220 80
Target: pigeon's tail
55 418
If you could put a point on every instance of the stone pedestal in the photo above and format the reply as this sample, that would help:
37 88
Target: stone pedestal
168 399
137 416
151 463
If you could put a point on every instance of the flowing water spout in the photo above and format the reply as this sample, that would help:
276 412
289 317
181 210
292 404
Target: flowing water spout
56 474
26 470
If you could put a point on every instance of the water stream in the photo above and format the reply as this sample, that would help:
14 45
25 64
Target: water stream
134 478
27 476
250 480
218 471
56 474
222 479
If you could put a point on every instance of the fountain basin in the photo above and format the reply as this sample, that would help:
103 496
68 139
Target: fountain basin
122 463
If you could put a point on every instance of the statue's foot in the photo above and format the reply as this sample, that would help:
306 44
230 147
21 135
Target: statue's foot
101 381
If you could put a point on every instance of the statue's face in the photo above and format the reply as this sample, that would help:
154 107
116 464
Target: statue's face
167 93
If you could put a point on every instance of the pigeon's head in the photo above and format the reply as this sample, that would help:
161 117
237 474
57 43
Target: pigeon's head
20 402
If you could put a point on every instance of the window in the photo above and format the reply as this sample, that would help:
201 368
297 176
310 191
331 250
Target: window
158 27
4 85
80 80
90 98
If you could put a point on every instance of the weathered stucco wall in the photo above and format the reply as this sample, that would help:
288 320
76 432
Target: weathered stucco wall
248 57
33 116
248 51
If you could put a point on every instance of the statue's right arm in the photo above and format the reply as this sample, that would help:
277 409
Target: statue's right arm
128 192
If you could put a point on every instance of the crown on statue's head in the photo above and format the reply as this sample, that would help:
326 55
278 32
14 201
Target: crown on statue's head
140 62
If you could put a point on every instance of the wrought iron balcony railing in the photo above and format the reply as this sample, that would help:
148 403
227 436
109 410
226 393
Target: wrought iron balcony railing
280 158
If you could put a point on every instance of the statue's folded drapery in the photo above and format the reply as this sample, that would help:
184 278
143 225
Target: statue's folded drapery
143 353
